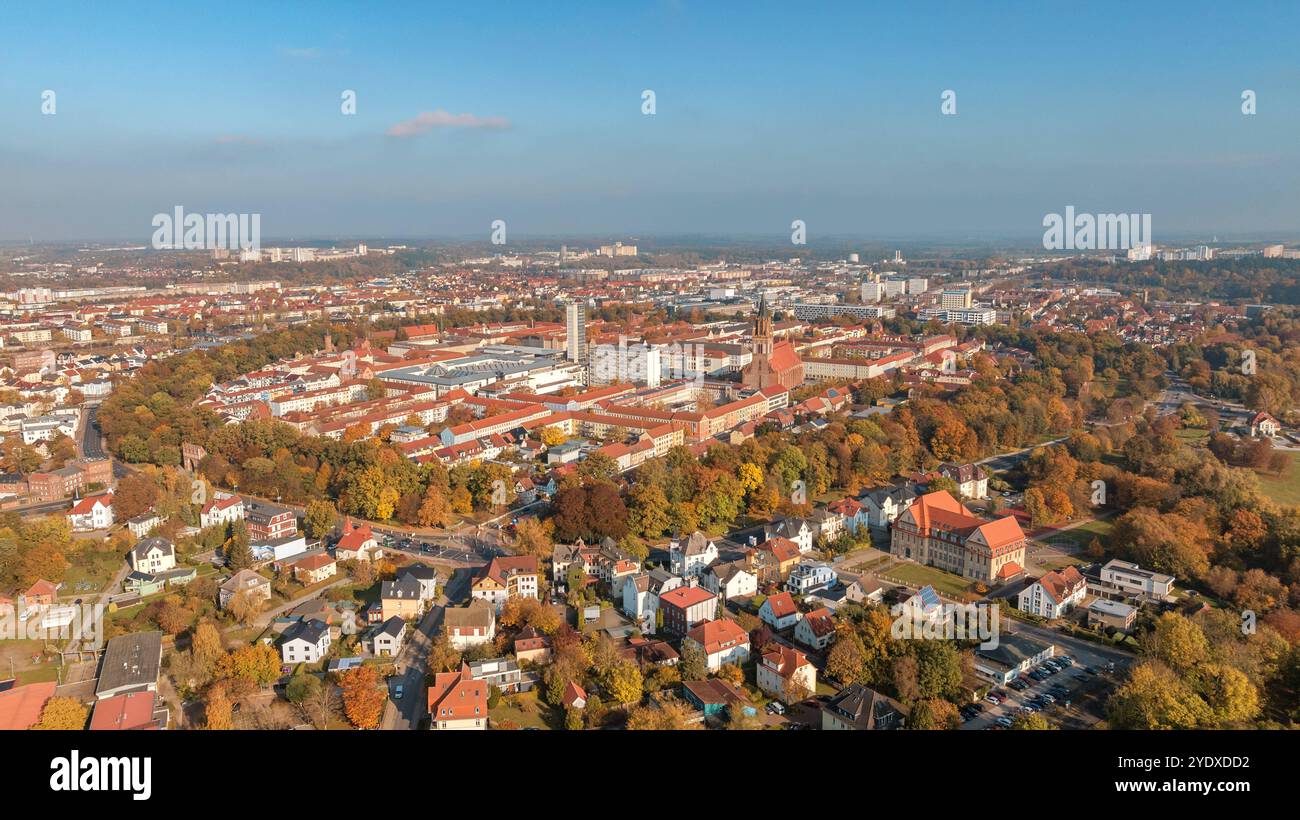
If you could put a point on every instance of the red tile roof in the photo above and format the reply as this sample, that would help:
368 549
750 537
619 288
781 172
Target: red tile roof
686 597
133 710
20 707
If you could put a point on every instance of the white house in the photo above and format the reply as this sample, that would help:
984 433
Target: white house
641 596
730 580
779 611
786 674
688 559
816 630
884 504
305 642
92 513
795 529
723 642
1054 594
809 576
222 509
152 556
389 637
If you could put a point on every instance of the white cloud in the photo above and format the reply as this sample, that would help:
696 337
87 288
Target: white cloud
428 120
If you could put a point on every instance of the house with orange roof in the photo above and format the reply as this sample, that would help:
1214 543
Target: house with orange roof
458 701
1054 594
510 576
357 543
786 674
723 641
94 512
779 611
816 630
21 706
939 531
315 568
686 607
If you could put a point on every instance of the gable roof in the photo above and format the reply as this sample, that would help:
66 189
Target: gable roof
781 605
457 696
310 630
718 635
686 597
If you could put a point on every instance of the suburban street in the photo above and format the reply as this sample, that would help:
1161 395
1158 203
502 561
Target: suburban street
413 661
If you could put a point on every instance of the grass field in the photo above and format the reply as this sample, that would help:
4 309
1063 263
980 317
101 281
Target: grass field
525 710
1082 535
918 576
1284 489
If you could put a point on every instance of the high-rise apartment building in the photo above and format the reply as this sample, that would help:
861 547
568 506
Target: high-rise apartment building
575 320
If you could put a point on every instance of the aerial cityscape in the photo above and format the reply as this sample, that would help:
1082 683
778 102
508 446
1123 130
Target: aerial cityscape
416 403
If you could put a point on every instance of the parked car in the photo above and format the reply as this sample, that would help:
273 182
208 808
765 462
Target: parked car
1004 722
397 692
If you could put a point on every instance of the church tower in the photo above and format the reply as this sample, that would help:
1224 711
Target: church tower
762 331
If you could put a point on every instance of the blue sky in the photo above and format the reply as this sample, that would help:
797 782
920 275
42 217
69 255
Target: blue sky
766 112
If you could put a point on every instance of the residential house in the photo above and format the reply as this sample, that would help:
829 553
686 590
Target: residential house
641 596
256 588
305 642
685 607
797 530
1054 594
816 630
401 598
506 577
268 522
971 480
864 591
786 674
687 559
857 708
222 509
470 626
732 579
503 673
1121 580
457 701
389 637
532 646
853 512
574 697
885 504
723 642
809 576
424 575
128 711
357 543
92 513
145 523
314 568
152 555
779 611
773 559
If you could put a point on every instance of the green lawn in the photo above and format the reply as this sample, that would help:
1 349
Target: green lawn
1082 535
527 710
1283 489
918 576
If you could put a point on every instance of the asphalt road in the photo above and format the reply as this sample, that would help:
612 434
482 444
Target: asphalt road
407 712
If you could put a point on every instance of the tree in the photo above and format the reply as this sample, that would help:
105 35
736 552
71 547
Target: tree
846 661
63 714
531 538
934 713
135 494
1177 641
435 510
320 518
1232 698
301 688
905 673
218 710
694 665
1154 697
1033 722
256 663
668 715
363 696
623 682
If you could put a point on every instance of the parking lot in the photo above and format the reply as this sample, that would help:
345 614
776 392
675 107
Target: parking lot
1072 697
